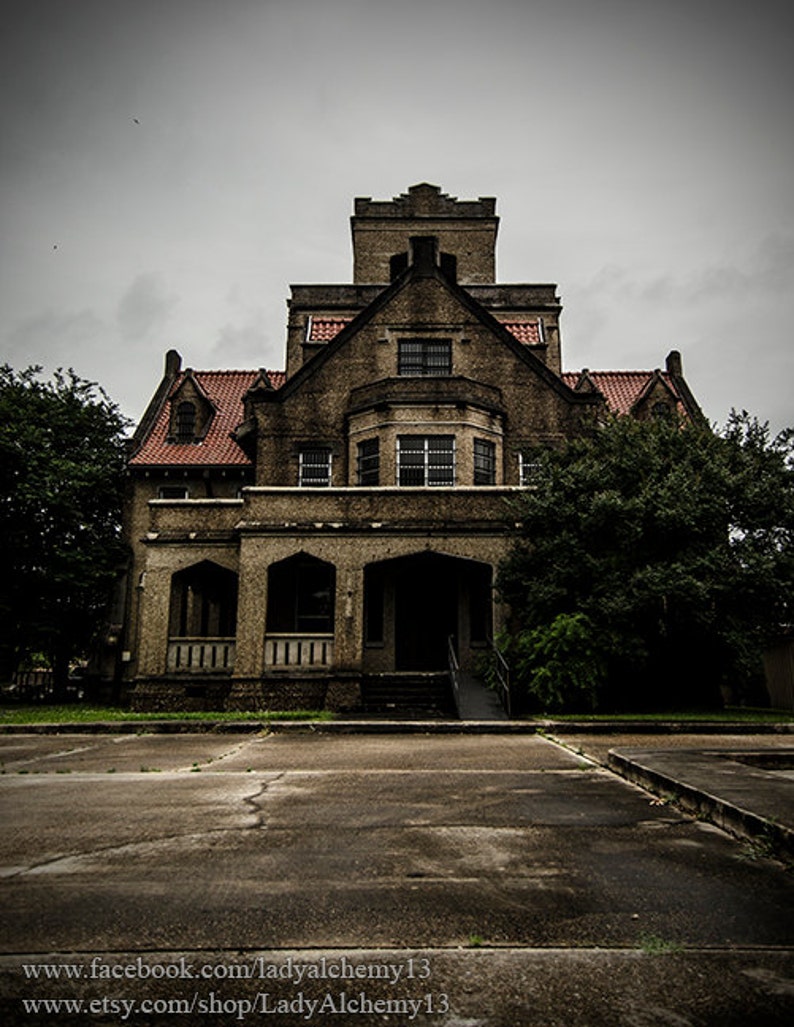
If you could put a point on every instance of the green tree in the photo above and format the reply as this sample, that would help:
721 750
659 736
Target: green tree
671 545
62 457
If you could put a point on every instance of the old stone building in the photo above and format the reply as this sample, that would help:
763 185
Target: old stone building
307 537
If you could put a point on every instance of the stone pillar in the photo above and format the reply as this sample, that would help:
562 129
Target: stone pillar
154 608
249 660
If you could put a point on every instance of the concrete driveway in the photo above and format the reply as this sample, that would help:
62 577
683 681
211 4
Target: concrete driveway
522 884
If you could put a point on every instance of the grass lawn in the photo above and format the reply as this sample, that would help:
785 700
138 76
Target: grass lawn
83 713
79 713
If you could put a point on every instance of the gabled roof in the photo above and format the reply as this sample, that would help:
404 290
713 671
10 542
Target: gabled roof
225 390
622 390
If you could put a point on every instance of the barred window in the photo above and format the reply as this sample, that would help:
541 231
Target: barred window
185 422
368 462
173 492
527 469
484 462
314 468
424 357
426 459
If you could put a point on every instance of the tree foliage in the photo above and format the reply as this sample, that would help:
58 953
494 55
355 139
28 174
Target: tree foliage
671 545
62 457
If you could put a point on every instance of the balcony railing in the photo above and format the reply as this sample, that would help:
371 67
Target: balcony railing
201 655
286 651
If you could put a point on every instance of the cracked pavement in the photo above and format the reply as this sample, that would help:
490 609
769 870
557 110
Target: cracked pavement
427 844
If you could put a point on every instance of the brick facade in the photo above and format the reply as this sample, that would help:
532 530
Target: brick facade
296 533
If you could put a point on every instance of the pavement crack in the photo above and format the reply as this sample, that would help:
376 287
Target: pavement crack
71 862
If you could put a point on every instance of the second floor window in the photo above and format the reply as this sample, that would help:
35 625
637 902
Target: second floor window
314 470
527 469
424 357
368 462
426 459
484 462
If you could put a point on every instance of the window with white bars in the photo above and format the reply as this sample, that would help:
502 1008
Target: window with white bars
424 357
527 469
426 459
484 462
368 462
314 469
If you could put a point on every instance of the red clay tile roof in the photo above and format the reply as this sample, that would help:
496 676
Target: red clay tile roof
621 389
525 331
225 390
323 329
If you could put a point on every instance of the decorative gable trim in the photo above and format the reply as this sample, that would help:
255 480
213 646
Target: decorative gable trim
191 410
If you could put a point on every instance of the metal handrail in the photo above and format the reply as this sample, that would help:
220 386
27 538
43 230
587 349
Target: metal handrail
454 671
501 678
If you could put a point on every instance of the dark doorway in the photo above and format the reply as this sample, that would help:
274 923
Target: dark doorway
425 611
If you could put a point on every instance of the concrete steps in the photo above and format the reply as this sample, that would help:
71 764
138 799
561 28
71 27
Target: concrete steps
407 696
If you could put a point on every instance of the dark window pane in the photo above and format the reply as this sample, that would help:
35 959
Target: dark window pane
185 422
424 357
368 462
426 460
484 462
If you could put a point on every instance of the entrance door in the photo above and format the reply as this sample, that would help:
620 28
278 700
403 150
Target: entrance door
426 611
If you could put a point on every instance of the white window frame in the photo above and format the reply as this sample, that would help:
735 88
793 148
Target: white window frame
427 466
305 481
526 467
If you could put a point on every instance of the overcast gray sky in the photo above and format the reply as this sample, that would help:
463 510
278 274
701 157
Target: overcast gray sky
170 166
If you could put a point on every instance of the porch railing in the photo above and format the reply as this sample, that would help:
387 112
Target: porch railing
500 675
201 655
454 672
299 651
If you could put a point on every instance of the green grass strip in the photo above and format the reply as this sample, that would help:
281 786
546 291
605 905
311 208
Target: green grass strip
79 714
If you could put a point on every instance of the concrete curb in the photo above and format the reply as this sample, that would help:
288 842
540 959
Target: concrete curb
726 815
407 727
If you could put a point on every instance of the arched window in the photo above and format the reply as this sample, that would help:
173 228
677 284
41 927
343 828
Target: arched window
185 422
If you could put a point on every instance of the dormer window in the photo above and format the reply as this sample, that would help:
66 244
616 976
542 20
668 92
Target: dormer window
185 422
425 357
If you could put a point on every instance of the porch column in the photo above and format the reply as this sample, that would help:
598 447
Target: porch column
154 607
251 607
349 615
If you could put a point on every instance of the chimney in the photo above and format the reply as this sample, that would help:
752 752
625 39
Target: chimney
673 364
173 363
424 254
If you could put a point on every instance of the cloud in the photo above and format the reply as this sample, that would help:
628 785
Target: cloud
244 343
56 339
144 308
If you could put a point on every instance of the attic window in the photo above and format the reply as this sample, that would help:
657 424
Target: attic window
186 422
661 410
427 357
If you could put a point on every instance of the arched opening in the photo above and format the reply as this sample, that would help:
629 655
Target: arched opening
300 613
185 421
414 604
202 618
